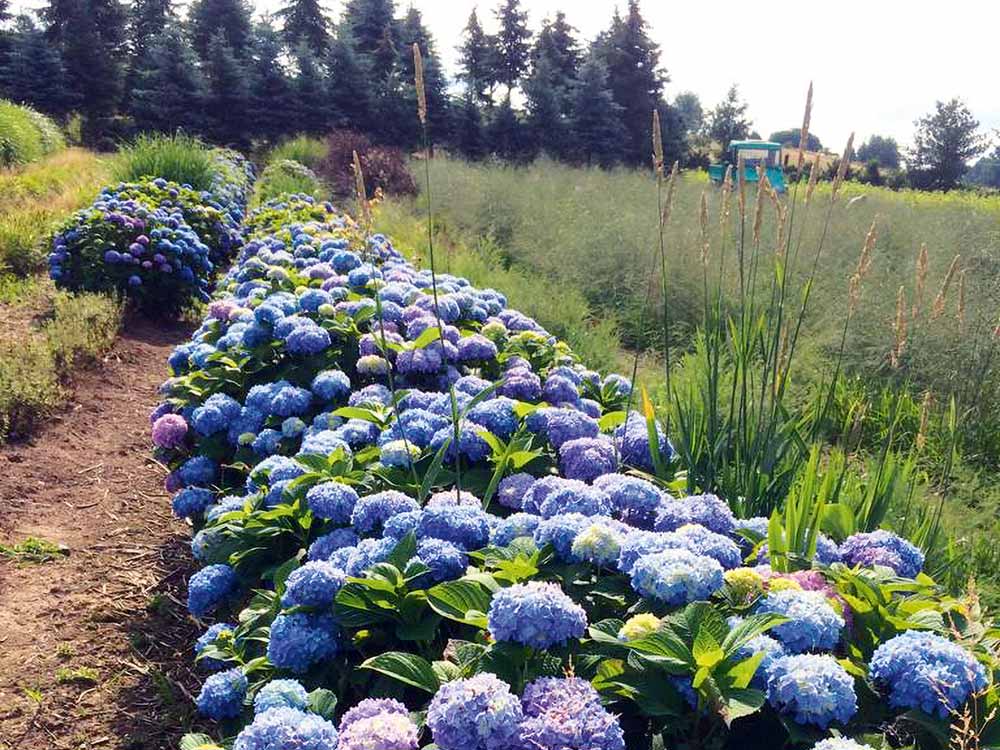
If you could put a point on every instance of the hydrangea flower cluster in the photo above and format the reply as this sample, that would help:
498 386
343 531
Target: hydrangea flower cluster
812 689
813 624
535 614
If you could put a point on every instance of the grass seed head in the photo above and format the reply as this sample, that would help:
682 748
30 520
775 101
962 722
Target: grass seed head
418 74
804 133
942 296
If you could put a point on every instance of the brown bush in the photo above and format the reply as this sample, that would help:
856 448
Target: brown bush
384 166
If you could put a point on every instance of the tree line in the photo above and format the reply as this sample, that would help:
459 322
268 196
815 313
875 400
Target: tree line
217 72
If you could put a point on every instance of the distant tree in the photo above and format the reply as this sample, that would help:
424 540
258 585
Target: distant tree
689 111
792 136
303 22
945 142
271 92
412 30
312 109
986 171
469 136
348 88
506 133
372 27
872 175
512 43
634 76
148 19
728 121
4 10
169 89
231 18
598 135
884 150
549 109
476 62
557 46
227 102
32 71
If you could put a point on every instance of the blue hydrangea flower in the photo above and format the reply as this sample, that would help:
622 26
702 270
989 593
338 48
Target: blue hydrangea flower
471 445
512 489
333 501
676 576
300 640
446 561
402 524
633 439
587 458
926 671
207 639
210 587
599 544
812 689
496 415
478 713
331 385
284 728
370 707
521 384
280 694
197 470
191 501
770 648
814 624
453 498
222 694
514 526
565 713
372 511
560 531
563 425
637 543
883 548
701 541
827 551
635 500
572 496
535 614
463 526
388 731
315 584
326 545
215 414
840 743
705 510
367 553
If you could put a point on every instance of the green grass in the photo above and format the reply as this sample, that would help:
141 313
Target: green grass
26 135
179 158
286 176
33 550
304 149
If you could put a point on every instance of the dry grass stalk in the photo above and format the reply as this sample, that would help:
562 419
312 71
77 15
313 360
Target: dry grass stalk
845 161
925 416
864 264
741 180
961 298
804 134
758 211
362 193
703 216
942 296
668 206
899 328
782 224
921 285
657 144
727 194
418 74
813 179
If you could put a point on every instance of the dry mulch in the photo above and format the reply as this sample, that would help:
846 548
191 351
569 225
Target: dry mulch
113 606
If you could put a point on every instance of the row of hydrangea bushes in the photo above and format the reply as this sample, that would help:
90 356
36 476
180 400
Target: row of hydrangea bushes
422 522
157 243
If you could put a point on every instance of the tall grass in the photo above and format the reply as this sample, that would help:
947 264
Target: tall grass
304 149
26 135
179 158
284 177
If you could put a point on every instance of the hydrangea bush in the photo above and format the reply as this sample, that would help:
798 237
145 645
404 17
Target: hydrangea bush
432 524
154 242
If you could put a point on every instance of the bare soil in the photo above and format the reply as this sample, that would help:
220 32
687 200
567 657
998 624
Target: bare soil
95 645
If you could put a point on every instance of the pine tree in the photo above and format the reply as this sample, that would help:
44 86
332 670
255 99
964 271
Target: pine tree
728 121
556 44
372 26
549 105
207 18
512 43
32 70
148 19
4 10
506 134
632 60
348 90
271 95
228 101
412 30
476 61
305 23
311 107
469 138
169 91
598 134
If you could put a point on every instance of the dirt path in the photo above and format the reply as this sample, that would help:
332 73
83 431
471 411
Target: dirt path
94 645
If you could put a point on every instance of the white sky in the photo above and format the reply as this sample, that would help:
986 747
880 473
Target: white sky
893 60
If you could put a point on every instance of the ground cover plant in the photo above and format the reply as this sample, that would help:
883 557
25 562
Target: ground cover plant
422 520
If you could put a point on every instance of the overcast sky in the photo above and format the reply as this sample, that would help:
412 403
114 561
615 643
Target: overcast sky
877 65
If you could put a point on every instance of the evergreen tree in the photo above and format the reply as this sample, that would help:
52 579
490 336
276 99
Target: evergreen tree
689 111
231 18
303 22
945 142
476 61
169 89
311 106
549 105
512 44
372 26
557 46
412 30
598 134
634 77
728 121
32 70
148 19
470 139
228 101
506 134
349 91
4 10
271 95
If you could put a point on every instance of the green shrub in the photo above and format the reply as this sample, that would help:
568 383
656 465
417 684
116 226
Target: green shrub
20 140
177 158
302 148
287 177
